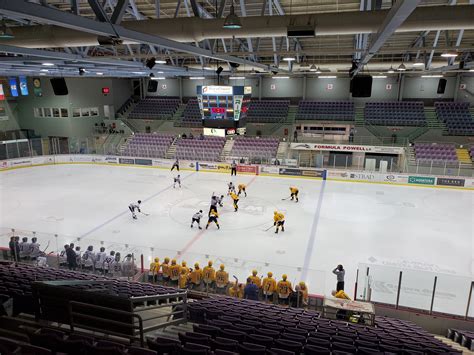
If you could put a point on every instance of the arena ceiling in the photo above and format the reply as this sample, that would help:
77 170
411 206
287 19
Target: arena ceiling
186 38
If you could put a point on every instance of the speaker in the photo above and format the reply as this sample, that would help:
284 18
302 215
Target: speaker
153 86
361 86
441 86
59 86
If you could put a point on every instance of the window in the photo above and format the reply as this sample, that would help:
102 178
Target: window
64 112
38 111
47 112
94 111
76 112
85 112
55 112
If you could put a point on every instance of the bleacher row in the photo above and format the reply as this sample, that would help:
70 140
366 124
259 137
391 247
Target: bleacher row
397 113
435 153
456 116
148 145
155 108
464 338
208 148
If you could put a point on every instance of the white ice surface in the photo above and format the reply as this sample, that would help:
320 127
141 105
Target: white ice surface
353 223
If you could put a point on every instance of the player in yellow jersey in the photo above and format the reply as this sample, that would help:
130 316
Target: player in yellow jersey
222 279
154 269
284 290
279 221
304 293
340 294
213 216
236 290
209 275
165 270
174 272
183 279
294 193
196 276
241 188
255 279
269 286
235 198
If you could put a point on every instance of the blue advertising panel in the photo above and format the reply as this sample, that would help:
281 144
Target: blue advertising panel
13 87
23 86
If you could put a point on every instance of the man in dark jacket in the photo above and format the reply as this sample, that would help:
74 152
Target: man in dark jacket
11 245
71 258
251 290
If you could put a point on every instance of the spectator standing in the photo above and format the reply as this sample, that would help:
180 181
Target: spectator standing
295 136
129 269
24 248
17 248
340 273
13 254
71 258
34 248
251 290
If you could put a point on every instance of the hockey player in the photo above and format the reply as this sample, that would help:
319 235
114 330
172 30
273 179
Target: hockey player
220 201
196 277
174 272
209 275
154 269
184 266
24 248
175 165
78 257
134 206
99 260
222 279
269 286
177 180
183 279
116 266
304 293
213 216
107 266
233 168
255 279
88 259
34 249
236 290
284 290
214 202
279 221
197 218
63 256
165 270
129 269
235 198
231 188
241 188
294 193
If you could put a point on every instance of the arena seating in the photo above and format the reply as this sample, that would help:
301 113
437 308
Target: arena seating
255 147
148 145
267 111
456 116
155 108
463 337
471 153
403 113
322 110
240 325
191 116
436 153
208 148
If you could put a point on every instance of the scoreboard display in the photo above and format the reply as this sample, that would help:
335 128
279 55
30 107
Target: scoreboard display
223 106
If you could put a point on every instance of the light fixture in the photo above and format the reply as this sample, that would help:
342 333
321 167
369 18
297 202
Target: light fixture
160 61
289 59
318 70
232 21
280 77
99 73
313 68
471 70
82 71
44 70
5 31
236 77
432 76
196 78
391 71
219 70
449 55
48 64
42 73
138 72
327 77
419 63
207 67
150 63
379 76
158 78
160 72
402 67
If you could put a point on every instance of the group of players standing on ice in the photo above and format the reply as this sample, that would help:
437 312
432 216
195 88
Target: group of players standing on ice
213 215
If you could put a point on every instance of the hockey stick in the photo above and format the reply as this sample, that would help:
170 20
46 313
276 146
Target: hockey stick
46 248
284 199
266 230
146 214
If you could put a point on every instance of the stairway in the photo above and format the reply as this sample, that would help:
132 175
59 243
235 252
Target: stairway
411 156
463 156
171 152
291 117
177 115
282 151
432 120
359 118
226 150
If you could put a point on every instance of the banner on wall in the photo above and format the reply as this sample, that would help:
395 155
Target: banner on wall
37 87
23 86
13 87
2 93
347 148
450 182
421 180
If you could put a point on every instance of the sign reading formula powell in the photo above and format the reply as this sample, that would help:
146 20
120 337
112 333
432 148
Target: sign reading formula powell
450 182
421 180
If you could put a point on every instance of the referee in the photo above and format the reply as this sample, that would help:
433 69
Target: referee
233 168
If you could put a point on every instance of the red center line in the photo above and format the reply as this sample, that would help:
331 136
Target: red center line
200 233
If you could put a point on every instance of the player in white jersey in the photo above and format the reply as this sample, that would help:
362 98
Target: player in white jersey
63 257
177 180
220 201
107 266
78 257
197 218
34 249
88 259
116 266
175 165
134 206
99 260
128 267
231 188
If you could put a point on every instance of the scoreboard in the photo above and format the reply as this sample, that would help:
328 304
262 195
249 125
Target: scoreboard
223 106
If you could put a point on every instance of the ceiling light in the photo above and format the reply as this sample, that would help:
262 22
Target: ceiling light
318 70
160 61
197 78
327 77
419 63
289 59
160 72
237 77
138 72
402 67
391 71
158 78
44 70
232 21
280 77
379 76
431 76
449 55
99 73
5 32
42 73
313 68
48 64
207 67
82 71
471 70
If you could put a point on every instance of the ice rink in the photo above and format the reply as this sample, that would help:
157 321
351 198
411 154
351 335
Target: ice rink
334 222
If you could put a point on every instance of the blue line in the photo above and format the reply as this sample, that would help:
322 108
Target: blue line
313 233
125 212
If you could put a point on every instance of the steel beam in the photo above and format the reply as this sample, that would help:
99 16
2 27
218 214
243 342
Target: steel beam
395 17
98 10
63 19
157 8
243 10
74 7
435 43
119 11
